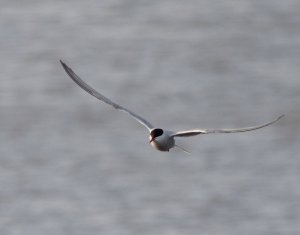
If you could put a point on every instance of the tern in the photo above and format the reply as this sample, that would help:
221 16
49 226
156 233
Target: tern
159 138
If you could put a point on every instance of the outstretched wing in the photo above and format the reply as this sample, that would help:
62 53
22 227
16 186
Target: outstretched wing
208 131
101 97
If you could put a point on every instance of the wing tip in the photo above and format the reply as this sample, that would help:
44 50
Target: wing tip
63 64
68 70
281 116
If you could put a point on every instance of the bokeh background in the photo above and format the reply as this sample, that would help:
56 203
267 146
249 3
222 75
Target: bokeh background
71 165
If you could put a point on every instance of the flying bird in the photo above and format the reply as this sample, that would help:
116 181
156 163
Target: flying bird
159 138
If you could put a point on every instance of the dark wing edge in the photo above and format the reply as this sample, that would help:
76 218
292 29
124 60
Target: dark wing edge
209 131
101 97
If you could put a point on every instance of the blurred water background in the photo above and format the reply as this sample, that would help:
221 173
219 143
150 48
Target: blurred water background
71 165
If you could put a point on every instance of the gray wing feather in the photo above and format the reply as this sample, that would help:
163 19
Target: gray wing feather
101 97
209 131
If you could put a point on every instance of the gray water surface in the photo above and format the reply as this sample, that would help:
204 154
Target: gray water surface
71 165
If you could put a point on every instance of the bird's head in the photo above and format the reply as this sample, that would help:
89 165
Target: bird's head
155 133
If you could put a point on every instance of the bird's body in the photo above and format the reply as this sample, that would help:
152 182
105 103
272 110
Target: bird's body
162 142
160 139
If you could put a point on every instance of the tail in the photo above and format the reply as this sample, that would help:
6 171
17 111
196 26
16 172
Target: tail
184 150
